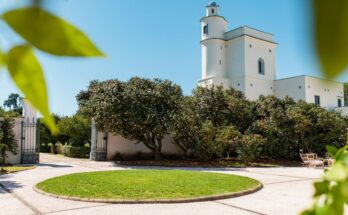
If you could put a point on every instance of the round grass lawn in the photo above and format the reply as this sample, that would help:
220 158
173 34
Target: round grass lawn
146 184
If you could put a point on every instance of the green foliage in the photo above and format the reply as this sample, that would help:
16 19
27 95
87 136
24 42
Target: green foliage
46 135
140 109
222 107
316 127
117 157
13 103
249 147
273 123
185 127
207 148
77 151
229 138
8 142
331 192
21 61
291 126
75 129
9 113
345 90
50 34
331 32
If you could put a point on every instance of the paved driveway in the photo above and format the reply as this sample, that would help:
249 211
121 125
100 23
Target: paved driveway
287 190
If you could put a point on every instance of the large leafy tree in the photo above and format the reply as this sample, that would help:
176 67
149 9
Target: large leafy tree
140 109
222 107
186 126
13 104
8 142
13 101
272 122
76 129
316 127
210 120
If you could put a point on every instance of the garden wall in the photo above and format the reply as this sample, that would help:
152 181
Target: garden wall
118 144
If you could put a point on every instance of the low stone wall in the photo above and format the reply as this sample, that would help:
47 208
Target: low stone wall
118 144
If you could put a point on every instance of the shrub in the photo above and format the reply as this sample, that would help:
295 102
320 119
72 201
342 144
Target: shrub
59 148
77 152
118 157
52 148
207 148
76 129
44 148
8 142
229 138
249 147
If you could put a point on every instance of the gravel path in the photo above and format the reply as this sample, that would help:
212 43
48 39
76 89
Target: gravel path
287 190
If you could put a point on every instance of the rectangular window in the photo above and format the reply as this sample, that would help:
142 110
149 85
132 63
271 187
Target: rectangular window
205 29
339 102
317 100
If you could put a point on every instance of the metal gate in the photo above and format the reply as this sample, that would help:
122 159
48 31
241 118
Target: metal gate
99 142
30 141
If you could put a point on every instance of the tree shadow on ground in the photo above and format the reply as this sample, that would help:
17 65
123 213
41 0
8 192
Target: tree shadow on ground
7 186
54 165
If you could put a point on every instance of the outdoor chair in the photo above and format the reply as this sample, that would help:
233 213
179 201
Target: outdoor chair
328 159
314 160
304 159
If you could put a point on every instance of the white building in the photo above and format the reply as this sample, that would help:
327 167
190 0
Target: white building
244 58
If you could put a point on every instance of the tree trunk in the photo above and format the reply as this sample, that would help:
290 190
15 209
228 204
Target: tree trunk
157 154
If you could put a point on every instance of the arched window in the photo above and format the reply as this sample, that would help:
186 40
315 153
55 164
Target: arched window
205 29
212 11
261 66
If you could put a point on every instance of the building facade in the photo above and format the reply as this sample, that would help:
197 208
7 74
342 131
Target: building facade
244 58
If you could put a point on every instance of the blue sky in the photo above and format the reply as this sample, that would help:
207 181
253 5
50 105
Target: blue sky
160 39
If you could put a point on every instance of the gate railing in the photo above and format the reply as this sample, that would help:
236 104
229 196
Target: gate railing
98 144
30 141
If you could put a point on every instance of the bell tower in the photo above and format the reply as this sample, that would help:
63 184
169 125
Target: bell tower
214 65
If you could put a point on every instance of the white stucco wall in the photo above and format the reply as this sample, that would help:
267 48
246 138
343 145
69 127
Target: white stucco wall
329 91
306 87
117 143
256 49
291 87
255 87
235 55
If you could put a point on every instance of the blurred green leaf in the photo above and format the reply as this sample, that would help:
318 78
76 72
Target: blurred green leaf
26 72
338 173
50 33
331 32
321 187
332 150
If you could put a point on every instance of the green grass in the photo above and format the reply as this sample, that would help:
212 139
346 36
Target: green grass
146 184
12 169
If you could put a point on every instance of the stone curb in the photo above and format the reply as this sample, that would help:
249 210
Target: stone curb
154 201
